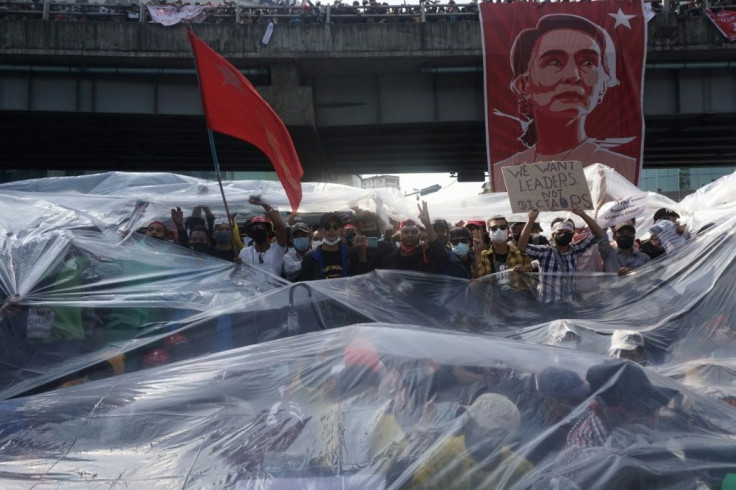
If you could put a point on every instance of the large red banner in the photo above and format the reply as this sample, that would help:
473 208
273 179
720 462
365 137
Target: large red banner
564 81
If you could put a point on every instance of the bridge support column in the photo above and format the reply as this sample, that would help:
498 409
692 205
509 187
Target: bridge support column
295 106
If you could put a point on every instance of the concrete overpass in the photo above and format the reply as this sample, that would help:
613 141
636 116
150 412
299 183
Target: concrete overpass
358 98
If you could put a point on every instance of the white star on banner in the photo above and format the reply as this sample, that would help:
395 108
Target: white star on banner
622 19
229 78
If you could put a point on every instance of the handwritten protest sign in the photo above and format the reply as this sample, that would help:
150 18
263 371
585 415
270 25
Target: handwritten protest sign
615 212
547 186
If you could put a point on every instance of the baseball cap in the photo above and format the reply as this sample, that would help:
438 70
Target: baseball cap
665 213
626 340
475 222
625 224
300 227
493 411
625 384
327 217
563 383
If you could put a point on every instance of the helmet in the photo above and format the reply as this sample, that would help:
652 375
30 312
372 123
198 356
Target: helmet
259 219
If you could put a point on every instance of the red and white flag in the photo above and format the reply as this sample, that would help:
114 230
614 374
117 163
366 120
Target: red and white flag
234 107
563 81
725 21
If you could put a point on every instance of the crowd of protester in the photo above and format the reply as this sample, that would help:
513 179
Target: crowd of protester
473 426
369 11
290 11
344 244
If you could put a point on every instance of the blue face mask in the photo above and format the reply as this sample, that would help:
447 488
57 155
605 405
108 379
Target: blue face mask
461 250
301 243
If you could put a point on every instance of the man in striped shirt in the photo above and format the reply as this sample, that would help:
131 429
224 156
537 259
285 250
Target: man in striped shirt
558 261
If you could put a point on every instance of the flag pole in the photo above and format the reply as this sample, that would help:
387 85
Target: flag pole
219 176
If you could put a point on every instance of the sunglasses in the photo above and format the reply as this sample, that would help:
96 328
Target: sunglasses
159 230
459 240
329 227
502 227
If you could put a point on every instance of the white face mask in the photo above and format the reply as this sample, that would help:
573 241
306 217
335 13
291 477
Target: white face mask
316 243
461 250
500 236
325 241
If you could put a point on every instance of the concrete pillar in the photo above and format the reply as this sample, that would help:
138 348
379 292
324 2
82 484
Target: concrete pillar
295 106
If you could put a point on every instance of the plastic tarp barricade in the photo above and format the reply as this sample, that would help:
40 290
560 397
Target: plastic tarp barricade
132 361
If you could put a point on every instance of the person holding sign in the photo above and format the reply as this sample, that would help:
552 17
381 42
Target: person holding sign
558 261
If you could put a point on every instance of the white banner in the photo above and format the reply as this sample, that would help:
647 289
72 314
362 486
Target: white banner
169 15
615 212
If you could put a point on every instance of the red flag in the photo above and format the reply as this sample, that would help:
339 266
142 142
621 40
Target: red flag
564 82
232 106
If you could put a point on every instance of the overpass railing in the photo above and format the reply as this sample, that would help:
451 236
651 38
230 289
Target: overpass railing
306 13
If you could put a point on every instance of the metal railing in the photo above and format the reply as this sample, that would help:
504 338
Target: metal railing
138 12
56 10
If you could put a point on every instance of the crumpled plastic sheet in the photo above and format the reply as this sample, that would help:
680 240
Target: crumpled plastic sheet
183 371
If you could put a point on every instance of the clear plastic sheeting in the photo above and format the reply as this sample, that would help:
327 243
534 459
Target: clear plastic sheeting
130 361
373 406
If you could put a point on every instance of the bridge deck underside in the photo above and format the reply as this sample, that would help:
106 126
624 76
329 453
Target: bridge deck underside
84 141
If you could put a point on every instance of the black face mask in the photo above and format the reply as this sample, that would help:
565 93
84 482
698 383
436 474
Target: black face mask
200 247
625 242
349 237
563 239
258 236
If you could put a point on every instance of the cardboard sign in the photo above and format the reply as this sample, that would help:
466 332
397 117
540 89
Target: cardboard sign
615 212
547 186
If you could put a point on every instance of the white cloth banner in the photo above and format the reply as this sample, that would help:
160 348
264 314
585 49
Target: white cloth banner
169 15
615 212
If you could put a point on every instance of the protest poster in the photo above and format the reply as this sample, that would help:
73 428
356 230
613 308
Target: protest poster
666 231
547 186
536 112
615 212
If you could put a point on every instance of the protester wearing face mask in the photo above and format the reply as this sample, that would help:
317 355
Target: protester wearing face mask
558 262
300 235
265 253
501 257
224 241
624 258
460 260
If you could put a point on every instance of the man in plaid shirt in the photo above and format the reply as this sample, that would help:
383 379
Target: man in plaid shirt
558 261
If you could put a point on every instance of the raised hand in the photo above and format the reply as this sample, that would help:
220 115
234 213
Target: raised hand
177 216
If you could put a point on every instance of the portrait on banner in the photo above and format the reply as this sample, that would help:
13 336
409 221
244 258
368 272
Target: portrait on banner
564 82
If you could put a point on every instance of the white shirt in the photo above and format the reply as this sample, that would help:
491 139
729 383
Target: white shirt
293 264
273 258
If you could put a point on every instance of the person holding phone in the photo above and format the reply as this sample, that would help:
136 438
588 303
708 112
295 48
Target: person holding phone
371 228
